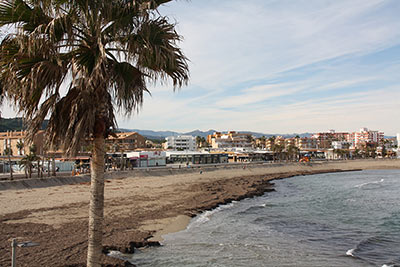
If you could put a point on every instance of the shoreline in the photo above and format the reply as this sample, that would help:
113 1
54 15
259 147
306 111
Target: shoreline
138 210
181 222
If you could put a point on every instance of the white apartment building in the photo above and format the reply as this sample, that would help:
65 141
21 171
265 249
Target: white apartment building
147 158
180 142
367 136
341 144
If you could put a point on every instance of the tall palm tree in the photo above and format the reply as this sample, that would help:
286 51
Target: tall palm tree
8 151
104 53
27 162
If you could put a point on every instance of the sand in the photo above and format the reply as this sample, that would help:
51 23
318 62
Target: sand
137 209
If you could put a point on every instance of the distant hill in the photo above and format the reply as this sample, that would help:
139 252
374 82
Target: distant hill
158 135
15 124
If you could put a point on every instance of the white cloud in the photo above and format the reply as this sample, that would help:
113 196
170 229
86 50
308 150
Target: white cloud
281 66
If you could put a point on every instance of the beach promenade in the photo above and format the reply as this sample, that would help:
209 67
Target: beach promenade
140 206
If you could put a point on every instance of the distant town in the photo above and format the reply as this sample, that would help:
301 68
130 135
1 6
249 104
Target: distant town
127 150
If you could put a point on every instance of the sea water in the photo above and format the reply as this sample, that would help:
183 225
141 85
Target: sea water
335 219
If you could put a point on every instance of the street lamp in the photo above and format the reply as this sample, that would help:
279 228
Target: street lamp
15 244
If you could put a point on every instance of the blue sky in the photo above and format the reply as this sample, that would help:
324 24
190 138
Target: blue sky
282 66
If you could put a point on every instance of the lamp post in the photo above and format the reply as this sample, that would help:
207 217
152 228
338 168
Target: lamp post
15 244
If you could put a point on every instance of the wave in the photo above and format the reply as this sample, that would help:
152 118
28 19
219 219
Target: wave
376 250
119 255
370 183
350 252
206 216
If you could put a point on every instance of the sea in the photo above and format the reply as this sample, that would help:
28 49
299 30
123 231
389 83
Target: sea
332 219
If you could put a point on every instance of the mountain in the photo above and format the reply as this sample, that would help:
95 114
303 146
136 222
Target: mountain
15 124
157 135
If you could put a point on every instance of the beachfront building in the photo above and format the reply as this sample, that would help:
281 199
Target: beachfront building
269 143
195 157
180 142
290 142
306 143
146 158
260 142
365 136
12 139
126 141
230 140
325 139
341 144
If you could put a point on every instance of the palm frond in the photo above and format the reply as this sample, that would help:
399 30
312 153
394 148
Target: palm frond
109 48
18 11
156 47
129 85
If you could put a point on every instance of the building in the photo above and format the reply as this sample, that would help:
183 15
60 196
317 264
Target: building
398 140
306 143
196 157
325 139
147 158
290 142
230 140
365 136
127 141
341 145
10 139
180 142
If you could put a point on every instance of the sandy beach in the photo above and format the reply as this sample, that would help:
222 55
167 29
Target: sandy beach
138 209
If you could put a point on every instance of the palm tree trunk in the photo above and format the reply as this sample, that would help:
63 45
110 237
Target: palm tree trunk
122 160
96 203
38 168
42 168
11 170
53 166
48 167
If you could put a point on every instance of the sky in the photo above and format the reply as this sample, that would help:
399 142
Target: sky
280 66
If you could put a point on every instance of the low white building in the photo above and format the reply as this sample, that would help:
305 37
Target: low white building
196 157
180 142
147 158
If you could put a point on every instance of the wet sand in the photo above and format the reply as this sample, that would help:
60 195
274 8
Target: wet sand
138 209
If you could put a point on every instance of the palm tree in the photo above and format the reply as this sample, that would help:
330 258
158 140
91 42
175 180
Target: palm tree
277 149
198 141
8 152
27 163
105 52
20 146
293 152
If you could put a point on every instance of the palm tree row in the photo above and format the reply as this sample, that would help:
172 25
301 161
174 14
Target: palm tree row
74 61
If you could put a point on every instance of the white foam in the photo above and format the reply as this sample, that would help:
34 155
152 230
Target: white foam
364 184
205 216
119 255
387 265
350 252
